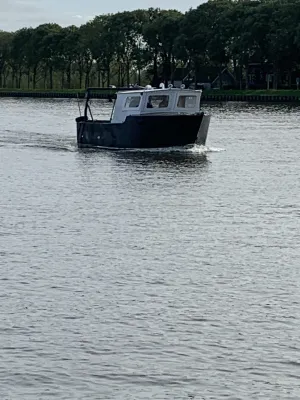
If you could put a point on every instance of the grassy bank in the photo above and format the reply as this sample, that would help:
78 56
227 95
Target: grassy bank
207 92
254 92
42 90
66 91
266 96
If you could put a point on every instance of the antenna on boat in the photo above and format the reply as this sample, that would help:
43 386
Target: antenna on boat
78 103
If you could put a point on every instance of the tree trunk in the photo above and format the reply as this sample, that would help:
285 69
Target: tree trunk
276 72
86 83
119 75
122 75
45 78
241 77
80 78
246 77
165 74
28 79
235 69
172 68
128 72
69 73
20 78
5 74
13 78
108 75
87 79
63 79
155 71
51 76
99 77
246 66
88 72
34 77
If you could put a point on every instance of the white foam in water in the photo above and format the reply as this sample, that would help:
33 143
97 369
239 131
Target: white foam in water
215 149
196 149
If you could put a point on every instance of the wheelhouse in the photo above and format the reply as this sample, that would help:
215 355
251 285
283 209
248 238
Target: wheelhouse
152 102
156 101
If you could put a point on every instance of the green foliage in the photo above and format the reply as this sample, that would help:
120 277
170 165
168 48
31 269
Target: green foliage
5 52
142 45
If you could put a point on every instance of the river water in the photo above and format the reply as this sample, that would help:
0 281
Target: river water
146 274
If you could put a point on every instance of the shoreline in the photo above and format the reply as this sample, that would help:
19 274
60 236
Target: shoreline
259 96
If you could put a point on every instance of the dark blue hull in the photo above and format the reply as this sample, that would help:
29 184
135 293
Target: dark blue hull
153 131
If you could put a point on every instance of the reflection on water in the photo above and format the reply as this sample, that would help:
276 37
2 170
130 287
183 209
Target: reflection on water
165 274
176 159
190 155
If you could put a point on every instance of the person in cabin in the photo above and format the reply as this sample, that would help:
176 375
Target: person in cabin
164 103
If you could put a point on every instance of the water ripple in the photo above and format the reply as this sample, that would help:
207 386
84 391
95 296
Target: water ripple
149 274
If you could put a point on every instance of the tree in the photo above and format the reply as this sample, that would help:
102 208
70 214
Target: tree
140 44
5 46
126 28
160 35
100 39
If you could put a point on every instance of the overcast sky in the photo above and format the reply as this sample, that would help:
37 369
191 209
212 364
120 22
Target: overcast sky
15 14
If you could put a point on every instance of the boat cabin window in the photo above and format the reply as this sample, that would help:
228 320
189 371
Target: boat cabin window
158 101
187 101
132 101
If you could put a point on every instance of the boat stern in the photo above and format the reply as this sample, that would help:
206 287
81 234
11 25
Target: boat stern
203 130
80 123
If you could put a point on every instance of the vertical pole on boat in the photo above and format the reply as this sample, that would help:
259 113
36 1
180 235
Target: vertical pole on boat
78 103
112 111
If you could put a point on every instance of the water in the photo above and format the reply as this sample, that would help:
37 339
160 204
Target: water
149 275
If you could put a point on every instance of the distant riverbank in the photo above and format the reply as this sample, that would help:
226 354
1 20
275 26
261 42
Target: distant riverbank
281 96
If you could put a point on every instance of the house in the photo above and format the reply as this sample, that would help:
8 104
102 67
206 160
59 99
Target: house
206 78
228 80
261 76
258 75
182 75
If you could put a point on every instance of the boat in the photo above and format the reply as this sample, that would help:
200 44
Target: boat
146 118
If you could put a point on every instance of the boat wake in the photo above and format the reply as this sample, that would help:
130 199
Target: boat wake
55 142
190 149
68 147
37 140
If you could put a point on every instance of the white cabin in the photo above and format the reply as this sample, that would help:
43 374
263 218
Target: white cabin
156 101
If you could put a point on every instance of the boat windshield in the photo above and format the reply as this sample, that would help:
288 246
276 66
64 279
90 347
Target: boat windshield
94 105
97 111
158 101
132 102
187 101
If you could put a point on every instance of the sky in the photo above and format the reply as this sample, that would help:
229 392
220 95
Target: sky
16 14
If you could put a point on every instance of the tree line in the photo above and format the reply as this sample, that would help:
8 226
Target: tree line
149 45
